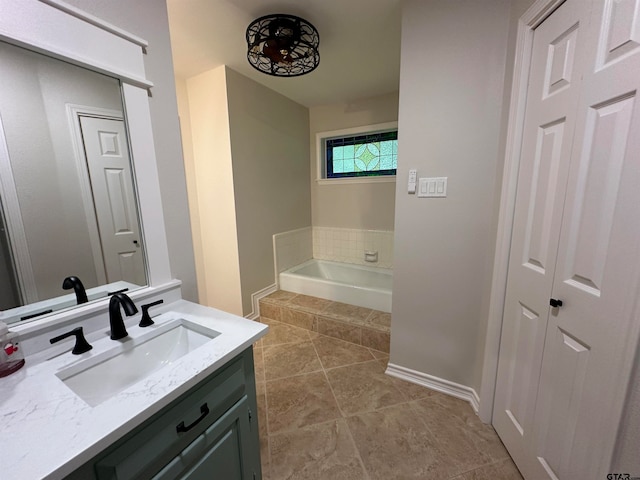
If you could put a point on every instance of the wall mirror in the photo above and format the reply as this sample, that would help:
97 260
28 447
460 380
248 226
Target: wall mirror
68 204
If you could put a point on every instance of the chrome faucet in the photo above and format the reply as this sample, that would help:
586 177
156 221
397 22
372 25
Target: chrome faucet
116 322
78 288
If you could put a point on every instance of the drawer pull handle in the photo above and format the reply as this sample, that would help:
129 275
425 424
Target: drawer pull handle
204 410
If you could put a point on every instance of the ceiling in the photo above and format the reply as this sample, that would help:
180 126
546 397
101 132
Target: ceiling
359 44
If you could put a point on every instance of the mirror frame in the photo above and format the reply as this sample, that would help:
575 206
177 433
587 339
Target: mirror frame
53 28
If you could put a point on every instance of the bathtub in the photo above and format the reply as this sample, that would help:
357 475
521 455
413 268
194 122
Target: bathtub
360 285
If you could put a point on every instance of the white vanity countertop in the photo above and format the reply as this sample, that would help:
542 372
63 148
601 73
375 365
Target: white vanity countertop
48 431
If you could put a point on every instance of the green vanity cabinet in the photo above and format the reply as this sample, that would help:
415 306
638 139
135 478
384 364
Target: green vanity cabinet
211 432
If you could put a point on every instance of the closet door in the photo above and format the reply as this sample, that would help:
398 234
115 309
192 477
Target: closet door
564 369
552 102
591 339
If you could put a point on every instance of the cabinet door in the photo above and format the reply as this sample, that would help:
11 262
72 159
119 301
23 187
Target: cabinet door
226 450
222 461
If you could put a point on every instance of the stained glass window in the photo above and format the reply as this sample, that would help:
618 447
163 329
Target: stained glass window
373 154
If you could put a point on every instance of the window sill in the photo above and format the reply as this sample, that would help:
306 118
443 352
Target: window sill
345 181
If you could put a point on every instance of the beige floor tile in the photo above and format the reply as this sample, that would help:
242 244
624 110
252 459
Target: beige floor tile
411 391
459 432
344 311
310 304
319 452
363 387
393 445
313 334
265 461
258 364
281 333
338 353
299 401
261 398
379 354
290 359
501 470
308 380
379 320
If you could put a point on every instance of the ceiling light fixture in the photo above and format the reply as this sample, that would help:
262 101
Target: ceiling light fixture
283 45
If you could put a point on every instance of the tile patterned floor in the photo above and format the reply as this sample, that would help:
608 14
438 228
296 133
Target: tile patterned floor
328 411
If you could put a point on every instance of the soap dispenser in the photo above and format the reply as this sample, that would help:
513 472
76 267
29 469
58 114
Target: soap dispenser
11 357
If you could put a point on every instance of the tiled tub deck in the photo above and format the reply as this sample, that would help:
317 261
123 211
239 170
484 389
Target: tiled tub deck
358 325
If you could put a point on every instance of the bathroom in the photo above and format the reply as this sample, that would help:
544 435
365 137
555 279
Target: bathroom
443 248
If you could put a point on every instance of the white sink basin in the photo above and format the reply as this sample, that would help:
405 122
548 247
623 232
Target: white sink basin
102 376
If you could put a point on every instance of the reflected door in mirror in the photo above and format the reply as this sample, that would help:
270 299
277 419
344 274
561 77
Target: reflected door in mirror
113 196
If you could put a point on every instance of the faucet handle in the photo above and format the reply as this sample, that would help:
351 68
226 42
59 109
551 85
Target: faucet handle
146 321
81 345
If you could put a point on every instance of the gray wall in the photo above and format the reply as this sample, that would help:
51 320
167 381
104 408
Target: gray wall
248 170
451 92
9 297
269 147
358 205
148 19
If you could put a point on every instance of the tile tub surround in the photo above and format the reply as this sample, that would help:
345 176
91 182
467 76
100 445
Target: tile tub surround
326 410
292 248
347 245
358 325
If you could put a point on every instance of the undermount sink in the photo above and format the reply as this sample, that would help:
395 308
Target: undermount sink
99 378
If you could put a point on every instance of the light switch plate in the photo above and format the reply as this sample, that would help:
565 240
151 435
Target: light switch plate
430 187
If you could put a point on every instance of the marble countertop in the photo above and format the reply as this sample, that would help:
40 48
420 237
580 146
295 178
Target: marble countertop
48 431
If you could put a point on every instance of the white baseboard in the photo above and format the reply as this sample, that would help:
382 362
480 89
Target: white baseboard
255 300
434 383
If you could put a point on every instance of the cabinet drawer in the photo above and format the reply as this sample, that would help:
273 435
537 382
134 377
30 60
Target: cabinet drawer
144 452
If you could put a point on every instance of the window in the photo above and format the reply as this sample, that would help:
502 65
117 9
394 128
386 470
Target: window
358 153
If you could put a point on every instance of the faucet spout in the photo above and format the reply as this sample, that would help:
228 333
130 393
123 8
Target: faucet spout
116 322
78 288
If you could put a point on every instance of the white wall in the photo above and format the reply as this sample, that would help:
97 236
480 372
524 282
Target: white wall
213 194
451 92
360 205
192 188
148 19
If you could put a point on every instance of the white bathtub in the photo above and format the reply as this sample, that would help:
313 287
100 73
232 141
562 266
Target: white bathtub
360 285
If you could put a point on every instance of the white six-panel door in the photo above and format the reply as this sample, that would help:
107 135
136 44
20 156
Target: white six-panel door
563 371
110 174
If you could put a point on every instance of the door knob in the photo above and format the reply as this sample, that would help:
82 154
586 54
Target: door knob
135 242
555 302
